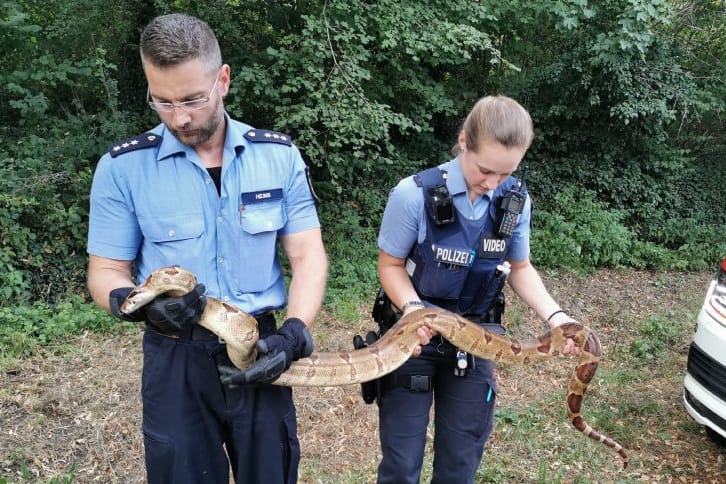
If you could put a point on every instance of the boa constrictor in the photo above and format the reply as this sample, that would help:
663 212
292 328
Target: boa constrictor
240 333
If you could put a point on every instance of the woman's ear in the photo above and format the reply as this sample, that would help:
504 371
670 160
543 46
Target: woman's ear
462 141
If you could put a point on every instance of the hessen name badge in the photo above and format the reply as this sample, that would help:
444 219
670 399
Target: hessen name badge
249 198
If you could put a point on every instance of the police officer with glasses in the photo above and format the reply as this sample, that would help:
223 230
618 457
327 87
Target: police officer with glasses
215 196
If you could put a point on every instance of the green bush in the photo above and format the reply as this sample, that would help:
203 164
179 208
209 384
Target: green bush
579 232
59 115
350 231
622 106
25 329
657 334
41 253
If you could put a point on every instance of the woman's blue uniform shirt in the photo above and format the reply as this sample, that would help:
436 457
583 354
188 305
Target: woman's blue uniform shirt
404 222
158 206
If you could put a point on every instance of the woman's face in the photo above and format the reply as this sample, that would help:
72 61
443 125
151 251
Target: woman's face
487 167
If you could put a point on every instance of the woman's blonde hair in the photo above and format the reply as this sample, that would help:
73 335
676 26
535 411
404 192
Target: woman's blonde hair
497 118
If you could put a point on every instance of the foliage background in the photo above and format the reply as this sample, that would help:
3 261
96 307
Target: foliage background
627 98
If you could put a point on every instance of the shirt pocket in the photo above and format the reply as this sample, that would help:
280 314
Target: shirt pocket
440 271
172 228
172 238
258 251
263 217
442 281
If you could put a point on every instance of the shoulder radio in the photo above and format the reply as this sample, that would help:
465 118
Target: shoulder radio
510 207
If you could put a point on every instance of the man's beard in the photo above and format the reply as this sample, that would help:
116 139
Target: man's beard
196 136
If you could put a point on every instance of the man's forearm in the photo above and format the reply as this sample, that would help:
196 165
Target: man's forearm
104 275
307 287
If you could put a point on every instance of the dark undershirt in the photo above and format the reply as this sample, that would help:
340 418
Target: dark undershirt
216 174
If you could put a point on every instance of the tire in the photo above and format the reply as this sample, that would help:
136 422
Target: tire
715 437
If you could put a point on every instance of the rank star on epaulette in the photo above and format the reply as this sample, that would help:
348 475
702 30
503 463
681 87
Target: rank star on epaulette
144 140
267 136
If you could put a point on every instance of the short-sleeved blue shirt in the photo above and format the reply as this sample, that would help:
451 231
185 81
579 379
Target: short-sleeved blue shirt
158 206
404 222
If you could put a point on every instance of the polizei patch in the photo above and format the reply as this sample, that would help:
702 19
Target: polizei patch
453 255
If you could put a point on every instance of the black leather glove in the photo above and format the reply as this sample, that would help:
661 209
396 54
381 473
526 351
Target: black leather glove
164 313
116 298
276 353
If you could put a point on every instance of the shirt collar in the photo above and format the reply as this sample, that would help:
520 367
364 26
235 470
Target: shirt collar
170 145
234 141
455 181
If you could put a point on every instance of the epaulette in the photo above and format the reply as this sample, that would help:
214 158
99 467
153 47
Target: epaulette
430 177
267 136
144 140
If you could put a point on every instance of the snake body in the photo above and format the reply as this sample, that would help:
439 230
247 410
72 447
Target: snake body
240 333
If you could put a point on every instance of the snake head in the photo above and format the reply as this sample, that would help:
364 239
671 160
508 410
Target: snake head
172 281
136 299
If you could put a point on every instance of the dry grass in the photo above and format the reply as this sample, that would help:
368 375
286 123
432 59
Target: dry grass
76 414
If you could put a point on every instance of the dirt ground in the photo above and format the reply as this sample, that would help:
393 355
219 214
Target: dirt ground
77 416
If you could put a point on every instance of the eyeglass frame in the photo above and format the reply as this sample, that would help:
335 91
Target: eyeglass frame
185 105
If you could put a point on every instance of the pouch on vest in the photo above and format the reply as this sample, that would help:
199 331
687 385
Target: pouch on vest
370 390
383 312
445 277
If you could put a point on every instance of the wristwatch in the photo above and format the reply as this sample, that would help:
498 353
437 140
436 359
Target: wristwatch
410 304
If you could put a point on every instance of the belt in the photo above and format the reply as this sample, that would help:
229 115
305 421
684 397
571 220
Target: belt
200 333
414 383
194 332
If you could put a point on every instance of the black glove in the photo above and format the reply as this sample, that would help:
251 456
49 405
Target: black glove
276 353
164 313
116 298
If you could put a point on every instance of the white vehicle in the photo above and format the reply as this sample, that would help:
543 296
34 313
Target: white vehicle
704 393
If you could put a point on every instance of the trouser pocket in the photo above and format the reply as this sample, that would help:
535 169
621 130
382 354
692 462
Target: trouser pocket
291 455
159 455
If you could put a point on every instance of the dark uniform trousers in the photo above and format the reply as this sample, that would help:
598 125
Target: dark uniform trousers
191 422
463 417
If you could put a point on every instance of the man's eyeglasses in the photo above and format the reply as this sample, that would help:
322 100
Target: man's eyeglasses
191 105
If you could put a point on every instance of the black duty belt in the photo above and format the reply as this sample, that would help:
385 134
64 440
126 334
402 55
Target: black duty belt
414 383
195 332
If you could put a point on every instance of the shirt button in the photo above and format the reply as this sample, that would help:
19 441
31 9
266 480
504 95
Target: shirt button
220 219
221 259
226 298
209 180
171 233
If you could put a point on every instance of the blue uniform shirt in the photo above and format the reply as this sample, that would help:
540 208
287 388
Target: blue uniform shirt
404 222
158 206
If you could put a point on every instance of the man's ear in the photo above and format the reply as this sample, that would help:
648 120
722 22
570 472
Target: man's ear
224 79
